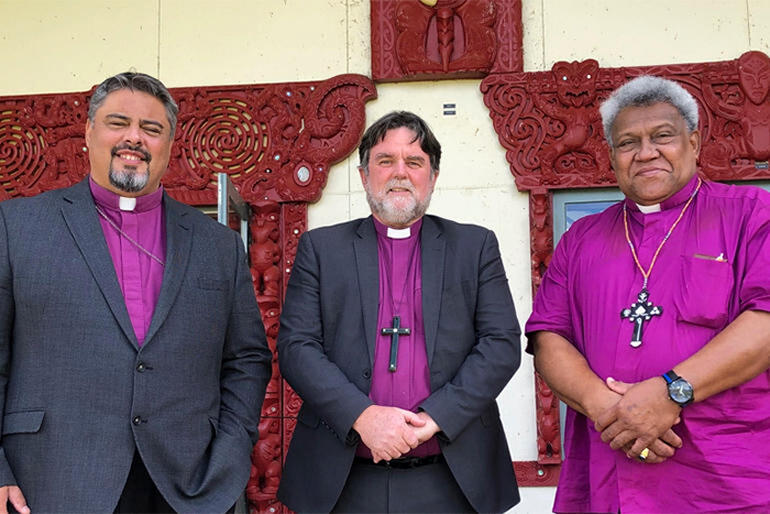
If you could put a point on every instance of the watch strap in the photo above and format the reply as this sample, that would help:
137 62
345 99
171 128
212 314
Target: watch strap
670 376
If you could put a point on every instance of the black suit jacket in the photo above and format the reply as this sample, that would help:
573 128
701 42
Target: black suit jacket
326 347
80 395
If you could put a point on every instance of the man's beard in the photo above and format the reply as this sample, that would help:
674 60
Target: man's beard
130 180
386 211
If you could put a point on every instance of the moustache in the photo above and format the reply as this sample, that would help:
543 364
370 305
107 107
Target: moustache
401 184
138 149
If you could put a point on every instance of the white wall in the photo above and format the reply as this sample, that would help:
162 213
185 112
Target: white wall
56 46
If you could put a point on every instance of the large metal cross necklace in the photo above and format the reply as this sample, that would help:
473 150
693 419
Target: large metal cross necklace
642 309
397 330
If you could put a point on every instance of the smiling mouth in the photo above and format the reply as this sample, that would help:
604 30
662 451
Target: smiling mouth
131 154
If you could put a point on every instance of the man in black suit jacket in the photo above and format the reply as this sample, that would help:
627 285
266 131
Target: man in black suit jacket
116 399
355 447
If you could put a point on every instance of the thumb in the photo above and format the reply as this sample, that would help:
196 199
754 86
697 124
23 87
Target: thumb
17 500
617 386
413 419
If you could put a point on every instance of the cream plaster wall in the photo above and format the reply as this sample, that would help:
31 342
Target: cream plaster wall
55 46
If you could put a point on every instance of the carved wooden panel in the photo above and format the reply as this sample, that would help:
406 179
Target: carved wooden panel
435 39
276 142
549 124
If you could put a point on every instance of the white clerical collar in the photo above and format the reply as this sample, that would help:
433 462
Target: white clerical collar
399 233
648 209
127 204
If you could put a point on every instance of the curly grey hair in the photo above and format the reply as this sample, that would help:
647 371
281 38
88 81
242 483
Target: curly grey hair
647 90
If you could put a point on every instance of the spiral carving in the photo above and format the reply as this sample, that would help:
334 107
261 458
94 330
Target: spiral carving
230 139
22 147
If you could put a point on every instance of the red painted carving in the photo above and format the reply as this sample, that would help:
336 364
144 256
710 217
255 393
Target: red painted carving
422 39
275 141
549 124
534 474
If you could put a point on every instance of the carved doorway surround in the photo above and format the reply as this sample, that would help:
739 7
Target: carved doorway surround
275 141
549 124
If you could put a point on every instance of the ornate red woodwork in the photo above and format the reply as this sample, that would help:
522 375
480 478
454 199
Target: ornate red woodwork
549 124
275 141
434 39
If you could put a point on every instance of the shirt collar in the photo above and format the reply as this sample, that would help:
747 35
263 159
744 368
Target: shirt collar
109 200
382 229
676 200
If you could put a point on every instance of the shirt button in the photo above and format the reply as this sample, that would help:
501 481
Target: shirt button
137 420
367 373
141 367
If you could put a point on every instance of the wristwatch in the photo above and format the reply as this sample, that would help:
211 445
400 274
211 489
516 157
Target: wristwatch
679 389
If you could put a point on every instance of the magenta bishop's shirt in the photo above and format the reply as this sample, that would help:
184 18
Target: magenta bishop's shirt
401 295
139 275
715 266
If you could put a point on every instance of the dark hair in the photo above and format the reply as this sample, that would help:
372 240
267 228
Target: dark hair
398 119
135 82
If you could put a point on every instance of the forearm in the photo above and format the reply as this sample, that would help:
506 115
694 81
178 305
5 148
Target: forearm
569 376
736 355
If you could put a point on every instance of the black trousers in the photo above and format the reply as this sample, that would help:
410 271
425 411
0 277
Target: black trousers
376 488
140 494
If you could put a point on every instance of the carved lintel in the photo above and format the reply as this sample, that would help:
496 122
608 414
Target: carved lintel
414 40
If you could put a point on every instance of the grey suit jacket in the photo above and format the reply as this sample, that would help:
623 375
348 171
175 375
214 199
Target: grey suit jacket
326 347
79 395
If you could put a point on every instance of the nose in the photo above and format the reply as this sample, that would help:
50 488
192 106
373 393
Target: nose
647 150
400 169
133 134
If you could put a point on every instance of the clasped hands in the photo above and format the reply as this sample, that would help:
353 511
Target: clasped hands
390 432
632 417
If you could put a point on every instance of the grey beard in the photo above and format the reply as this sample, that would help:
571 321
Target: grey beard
390 216
129 181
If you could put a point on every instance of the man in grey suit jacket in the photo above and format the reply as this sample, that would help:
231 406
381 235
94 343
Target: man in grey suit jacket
132 353
398 332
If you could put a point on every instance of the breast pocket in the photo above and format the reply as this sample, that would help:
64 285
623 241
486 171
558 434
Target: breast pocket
704 294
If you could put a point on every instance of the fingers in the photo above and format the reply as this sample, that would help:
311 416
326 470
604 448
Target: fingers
13 495
662 449
671 439
413 418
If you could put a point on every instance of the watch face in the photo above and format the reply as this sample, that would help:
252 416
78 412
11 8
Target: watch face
680 391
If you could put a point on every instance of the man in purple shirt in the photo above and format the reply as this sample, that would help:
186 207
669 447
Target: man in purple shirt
652 325
398 332
134 360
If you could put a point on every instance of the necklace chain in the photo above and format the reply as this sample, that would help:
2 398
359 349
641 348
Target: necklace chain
646 274
129 238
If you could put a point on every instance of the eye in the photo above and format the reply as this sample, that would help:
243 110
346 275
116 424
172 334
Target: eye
663 137
152 130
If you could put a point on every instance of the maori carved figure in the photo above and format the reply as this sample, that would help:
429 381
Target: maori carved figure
445 35
574 120
549 438
743 113
275 141
265 251
416 39
266 462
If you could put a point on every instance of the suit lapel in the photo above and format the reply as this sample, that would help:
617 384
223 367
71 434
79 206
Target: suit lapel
179 233
83 223
433 247
367 266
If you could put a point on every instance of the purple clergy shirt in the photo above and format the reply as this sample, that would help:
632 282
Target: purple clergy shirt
713 267
139 275
401 295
